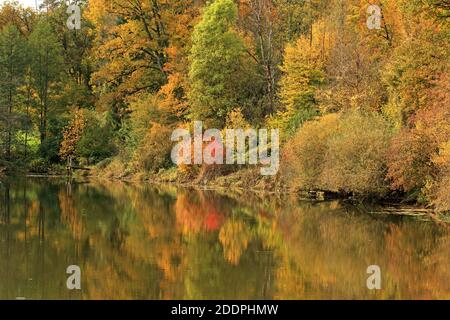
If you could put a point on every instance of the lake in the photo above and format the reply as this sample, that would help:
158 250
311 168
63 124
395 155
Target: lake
144 241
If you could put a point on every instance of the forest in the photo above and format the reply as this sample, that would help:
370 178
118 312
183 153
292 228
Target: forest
361 111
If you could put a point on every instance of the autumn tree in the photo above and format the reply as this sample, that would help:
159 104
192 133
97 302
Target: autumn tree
12 13
298 17
173 102
420 55
130 50
72 134
76 50
412 154
260 18
303 74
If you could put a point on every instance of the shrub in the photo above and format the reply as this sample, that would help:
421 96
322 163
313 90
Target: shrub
442 198
303 156
38 165
412 151
49 148
355 159
409 160
440 195
96 142
114 169
154 151
72 134
340 153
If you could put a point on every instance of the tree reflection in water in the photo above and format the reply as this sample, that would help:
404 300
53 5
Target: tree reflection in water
155 242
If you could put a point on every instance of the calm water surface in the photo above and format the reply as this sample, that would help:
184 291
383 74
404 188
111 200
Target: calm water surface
153 242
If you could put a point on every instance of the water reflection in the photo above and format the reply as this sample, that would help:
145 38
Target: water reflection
154 242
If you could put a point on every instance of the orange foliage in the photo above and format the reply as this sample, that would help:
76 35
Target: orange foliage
72 134
411 154
195 215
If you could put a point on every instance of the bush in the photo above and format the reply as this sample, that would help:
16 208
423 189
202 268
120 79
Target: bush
440 195
49 148
409 160
154 151
442 198
340 153
355 159
114 169
38 166
411 154
303 156
96 142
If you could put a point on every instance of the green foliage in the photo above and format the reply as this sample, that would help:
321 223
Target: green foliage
38 165
76 52
13 56
298 16
96 142
143 113
46 61
147 146
46 67
218 72
49 147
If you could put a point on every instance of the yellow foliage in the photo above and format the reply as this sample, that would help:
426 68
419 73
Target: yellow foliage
72 134
442 194
340 152
235 120
304 154
154 152
234 237
302 71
